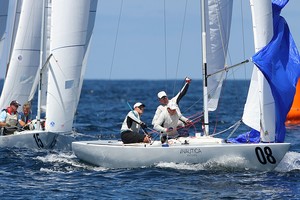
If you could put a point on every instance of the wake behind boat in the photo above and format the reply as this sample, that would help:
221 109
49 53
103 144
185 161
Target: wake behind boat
267 104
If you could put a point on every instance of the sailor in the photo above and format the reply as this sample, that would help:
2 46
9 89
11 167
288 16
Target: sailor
168 120
163 100
130 130
9 116
25 116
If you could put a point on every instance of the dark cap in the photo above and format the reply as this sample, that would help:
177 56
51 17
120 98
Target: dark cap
15 103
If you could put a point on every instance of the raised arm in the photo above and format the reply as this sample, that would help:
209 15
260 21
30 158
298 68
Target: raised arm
183 91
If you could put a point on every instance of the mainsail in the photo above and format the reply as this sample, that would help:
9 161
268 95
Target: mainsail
218 16
70 37
216 21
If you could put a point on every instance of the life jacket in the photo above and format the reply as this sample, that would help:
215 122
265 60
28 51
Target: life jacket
11 117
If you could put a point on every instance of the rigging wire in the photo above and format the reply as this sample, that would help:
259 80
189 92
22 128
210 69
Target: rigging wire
113 56
165 38
180 44
116 40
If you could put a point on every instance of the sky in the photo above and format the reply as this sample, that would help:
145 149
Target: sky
146 47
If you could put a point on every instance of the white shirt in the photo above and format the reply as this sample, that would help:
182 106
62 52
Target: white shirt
165 121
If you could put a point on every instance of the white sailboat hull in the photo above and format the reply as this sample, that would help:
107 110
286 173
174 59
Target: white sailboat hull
37 139
203 150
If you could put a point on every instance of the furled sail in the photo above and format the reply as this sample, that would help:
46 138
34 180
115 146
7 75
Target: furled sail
70 36
25 51
218 17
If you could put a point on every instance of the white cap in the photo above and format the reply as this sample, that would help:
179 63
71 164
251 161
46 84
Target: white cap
172 105
161 94
138 104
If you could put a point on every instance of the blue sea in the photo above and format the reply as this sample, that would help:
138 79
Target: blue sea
58 174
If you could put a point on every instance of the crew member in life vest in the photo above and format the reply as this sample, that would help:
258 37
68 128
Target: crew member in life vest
9 116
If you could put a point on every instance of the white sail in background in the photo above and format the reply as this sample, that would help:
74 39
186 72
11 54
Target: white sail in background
218 17
69 42
24 59
256 106
3 22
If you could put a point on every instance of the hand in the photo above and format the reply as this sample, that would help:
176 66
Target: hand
143 125
188 121
169 129
147 139
188 80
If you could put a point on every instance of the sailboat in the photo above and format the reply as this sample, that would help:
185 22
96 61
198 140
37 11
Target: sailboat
49 49
293 117
203 148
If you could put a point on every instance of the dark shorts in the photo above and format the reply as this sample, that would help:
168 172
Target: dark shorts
131 137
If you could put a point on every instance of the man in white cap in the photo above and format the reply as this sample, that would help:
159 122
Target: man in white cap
163 100
168 120
130 130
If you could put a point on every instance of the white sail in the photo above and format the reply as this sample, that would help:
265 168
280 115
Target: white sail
24 59
69 30
218 17
3 22
256 106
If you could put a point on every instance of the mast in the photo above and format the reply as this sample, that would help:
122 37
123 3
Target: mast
38 117
204 70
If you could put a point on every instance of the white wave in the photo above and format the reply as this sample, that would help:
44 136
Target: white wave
66 158
291 161
220 163
57 158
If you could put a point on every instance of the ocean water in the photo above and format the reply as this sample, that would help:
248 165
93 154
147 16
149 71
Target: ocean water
57 174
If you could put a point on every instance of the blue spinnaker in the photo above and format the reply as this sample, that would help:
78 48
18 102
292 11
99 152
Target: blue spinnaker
279 61
252 136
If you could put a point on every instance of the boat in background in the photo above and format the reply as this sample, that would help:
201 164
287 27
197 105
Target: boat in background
264 154
49 42
293 117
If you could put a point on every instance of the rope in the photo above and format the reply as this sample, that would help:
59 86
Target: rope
234 125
